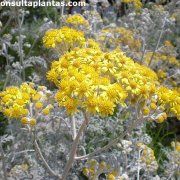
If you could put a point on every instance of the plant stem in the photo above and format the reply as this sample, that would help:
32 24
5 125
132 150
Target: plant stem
6 80
6 25
170 176
138 170
37 148
62 13
157 44
110 144
74 147
20 22
143 51
73 126
3 162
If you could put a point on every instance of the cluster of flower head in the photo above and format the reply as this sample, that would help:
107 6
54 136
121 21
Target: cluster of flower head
66 39
165 57
96 81
164 103
77 20
91 43
147 158
125 146
176 146
160 57
25 102
14 100
119 36
63 39
138 80
173 157
93 169
169 100
84 80
137 3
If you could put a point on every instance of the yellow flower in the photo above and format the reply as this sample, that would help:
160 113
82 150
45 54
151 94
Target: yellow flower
38 105
146 111
105 107
161 74
161 118
91 104
46 111
137 3
82 89
32 121
170 99
23 101
71 105
85 171
77 20
102 165
14 100
63 39
153 106
36 97
177 147
85 76
119 36
90 43
111 177
24 120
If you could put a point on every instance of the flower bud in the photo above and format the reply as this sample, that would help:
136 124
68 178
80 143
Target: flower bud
146 111
24 120
46 111
32 122
153 106
38 105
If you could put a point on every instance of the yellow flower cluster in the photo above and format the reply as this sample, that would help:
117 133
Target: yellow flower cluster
165 58
91 43
119 36
98 81
170 100
161 74
66 39
83 78
160 57
63 39
176 146
147 158
14 100
161 117
77 20
127 37
25 102
139 81
137 3
153 111
93 169
112 175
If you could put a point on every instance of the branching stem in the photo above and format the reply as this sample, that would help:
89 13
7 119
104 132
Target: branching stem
20 41
110 144
73 126
157 44
74 147
3 162
38 150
